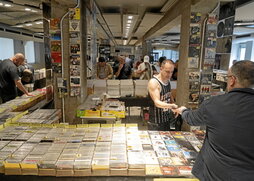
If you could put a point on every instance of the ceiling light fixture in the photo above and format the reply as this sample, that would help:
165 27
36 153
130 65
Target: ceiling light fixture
1 4
27 9
129 21
7 5
130 17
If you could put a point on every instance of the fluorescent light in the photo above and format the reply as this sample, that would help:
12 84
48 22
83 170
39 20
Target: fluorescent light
19 26
129 21
250 26
130 17
34 11
38 22
7 5
1 4
29 24
27 9
127 27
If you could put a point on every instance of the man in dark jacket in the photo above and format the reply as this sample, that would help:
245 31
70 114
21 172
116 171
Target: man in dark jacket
228 149
9 78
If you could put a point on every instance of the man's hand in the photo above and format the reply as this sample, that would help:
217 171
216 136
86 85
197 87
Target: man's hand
29 95
179 110
173 106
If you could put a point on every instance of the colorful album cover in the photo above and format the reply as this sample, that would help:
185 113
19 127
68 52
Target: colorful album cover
208 64
205 89
55 24
55 36
194 96
179 161
184 170
55 46
211 42
195 17
165 161
56 57
75 59
74 14
75 48
212 19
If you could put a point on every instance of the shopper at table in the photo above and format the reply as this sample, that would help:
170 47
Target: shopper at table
9 78
104 70
227 152
123 69
159 89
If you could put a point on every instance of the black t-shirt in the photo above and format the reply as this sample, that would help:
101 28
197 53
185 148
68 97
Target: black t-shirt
125 72
8 76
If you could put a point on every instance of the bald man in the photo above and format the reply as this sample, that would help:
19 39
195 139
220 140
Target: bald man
9 78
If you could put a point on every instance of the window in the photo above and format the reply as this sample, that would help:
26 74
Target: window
29 52
242 51
6 48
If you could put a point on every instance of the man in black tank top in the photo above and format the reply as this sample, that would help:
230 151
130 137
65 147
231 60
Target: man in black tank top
159 91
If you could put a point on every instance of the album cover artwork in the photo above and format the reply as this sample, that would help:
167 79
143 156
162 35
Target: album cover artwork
74 13
194 51
229 26
193 96
55 46
195 17
74 37
75 70
227 10
212 19
75 91
56 57
55 24
206 78
170 171
193 62
221 29
210 53
55 36
74 25
75 48
195 39
194 76
195 29
193 86
217 61
205 89
75 81
208 64
224 45
75 59
211 42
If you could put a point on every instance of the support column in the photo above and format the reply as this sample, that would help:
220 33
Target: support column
182 76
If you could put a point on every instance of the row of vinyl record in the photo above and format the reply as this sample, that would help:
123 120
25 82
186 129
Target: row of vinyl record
106 150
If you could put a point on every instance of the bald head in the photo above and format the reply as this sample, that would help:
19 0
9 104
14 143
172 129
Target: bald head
18 59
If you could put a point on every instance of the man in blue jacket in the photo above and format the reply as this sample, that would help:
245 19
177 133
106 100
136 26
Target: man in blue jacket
228 149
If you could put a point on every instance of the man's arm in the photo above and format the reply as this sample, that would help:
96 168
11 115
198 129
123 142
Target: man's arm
192 117
110 72
21 87
119 69
154 91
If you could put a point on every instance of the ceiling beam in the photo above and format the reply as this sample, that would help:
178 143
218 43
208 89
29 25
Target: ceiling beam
172 13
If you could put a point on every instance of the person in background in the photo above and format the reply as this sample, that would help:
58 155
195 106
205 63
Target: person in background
9 78
156 67
159 91
26 72
136 75
174 76
144 69
123 69
104 70
227 152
